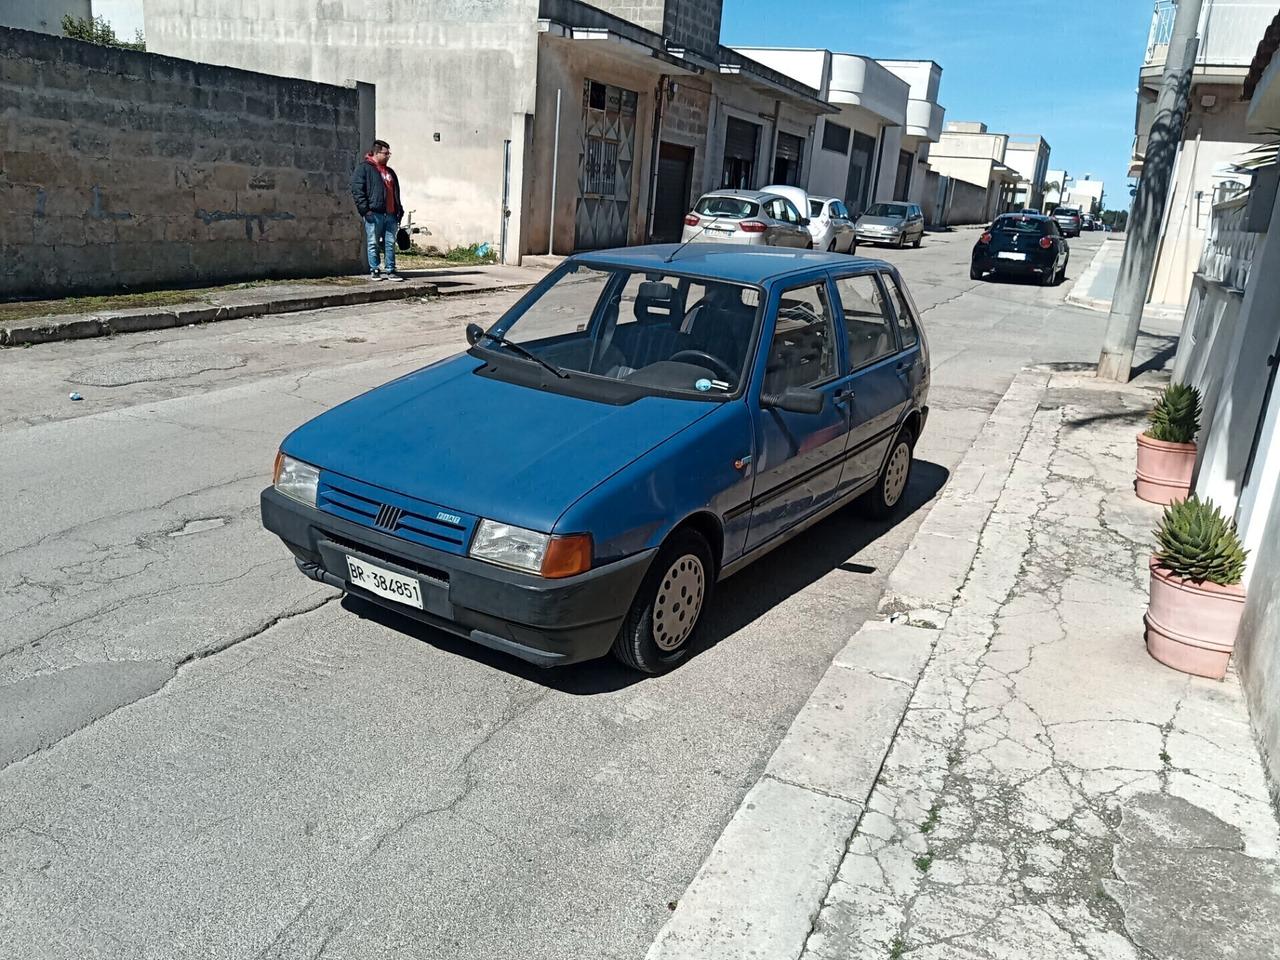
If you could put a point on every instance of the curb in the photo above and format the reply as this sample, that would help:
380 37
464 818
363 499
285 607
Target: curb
1086 280
53 328
759 892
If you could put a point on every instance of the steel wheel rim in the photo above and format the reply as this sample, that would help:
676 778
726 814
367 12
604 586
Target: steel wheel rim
895 475
678 603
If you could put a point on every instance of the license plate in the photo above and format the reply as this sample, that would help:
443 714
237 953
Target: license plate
384 583
1006 255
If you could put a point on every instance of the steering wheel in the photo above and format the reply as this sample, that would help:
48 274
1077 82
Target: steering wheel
706 359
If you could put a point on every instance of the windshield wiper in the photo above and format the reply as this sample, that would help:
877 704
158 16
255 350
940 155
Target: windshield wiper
527 354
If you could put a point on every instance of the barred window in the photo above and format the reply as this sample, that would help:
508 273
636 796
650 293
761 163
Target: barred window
602 166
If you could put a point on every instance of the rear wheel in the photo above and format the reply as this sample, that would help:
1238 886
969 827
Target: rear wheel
975 273
886 496
661 625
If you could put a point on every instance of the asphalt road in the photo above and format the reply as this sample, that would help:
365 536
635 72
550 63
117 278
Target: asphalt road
204 755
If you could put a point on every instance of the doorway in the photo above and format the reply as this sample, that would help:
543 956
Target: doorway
741 141
606 160
788 159
672 200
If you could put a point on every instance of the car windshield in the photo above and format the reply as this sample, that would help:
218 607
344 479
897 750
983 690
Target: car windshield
1019 225
734 207
1065 212
626 332
816 207
887 210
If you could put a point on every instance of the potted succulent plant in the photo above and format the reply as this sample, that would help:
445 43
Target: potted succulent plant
1167 450
1196 594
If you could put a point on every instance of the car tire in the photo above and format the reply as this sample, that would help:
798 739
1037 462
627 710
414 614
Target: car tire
975 273
656 636
885 498
916 245
831 247
902 241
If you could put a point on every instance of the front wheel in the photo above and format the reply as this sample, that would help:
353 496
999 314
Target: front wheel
885 497
661 625
902 241
917 241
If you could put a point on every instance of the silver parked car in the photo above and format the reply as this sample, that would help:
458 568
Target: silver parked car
895 223
746 216
831 226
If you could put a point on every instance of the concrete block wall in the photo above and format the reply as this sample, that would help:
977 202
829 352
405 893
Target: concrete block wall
125 170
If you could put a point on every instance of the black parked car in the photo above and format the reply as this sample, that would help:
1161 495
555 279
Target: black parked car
1022 245
1069 221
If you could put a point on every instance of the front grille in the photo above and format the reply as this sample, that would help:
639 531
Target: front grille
414 520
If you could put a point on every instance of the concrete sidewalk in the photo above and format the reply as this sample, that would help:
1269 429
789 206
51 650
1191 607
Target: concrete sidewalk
1097 284
253 301
996 768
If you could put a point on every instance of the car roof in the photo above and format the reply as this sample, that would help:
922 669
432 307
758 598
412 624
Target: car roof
721 261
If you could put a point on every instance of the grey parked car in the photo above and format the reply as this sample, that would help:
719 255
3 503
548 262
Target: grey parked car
831 226
895 223
1069 221
747 217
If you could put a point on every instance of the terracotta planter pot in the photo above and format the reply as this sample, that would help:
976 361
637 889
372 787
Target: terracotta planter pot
1164 470
1192 626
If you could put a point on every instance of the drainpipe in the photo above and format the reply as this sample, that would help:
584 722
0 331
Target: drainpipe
555 169
658 98
773 153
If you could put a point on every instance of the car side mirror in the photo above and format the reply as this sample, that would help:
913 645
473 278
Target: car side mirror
474 333
794 400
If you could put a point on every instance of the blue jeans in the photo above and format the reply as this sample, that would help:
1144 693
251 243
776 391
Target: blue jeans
381 227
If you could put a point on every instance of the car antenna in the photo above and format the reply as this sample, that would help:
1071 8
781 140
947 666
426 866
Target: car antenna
711 223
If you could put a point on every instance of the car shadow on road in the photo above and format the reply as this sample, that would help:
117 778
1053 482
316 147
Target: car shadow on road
830 545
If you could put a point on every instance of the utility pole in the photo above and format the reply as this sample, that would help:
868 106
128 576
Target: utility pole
1143 229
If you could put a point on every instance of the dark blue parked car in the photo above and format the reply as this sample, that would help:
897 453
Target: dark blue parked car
641 425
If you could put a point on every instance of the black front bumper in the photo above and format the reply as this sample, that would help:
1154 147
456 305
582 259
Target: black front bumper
546 622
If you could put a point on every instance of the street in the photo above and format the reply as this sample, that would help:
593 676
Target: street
205 754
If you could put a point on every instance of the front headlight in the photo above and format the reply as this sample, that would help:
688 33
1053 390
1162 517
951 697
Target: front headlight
296 479
532 552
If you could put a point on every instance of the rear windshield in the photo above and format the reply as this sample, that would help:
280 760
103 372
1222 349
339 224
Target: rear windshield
727 207
815 207
1020 225
1066 212
887 210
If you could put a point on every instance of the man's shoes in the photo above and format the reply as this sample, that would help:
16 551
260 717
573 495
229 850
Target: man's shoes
396 277
375 275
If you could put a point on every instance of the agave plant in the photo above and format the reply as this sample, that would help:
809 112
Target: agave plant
1197 543
1176 417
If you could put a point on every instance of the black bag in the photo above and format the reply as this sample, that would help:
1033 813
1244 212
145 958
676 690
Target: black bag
402 239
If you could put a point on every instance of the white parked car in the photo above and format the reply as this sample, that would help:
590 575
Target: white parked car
752 217
831 226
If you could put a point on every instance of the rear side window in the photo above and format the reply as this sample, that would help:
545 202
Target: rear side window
726 207
906 323
803 352
867 322
815 208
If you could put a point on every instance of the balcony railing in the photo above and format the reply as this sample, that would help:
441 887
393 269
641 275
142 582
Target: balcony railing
1229 31
1228 251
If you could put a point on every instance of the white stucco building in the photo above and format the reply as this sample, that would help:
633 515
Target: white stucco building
971 154
1230 348
1215 134
1028 155
875 146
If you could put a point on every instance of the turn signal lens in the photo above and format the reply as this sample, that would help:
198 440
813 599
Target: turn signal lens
985 238
692 220
751 226
567 556
1046 242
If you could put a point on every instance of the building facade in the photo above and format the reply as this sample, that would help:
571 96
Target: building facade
969 153
1029 156
1215 135
1230 349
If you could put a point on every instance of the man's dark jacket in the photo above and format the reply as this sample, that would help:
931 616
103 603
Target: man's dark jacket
370 193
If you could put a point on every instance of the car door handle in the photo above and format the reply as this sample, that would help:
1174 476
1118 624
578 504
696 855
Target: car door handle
843 396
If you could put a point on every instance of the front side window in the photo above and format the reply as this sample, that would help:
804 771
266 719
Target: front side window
867 322
803 350
635 332
906 323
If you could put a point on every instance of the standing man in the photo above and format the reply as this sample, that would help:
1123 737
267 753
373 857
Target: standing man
376 190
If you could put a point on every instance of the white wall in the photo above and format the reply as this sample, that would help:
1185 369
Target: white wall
125 16
465 69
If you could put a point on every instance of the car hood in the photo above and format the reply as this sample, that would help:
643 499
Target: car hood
881 221
483 446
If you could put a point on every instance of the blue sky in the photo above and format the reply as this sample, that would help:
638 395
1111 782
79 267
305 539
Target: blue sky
1066 69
